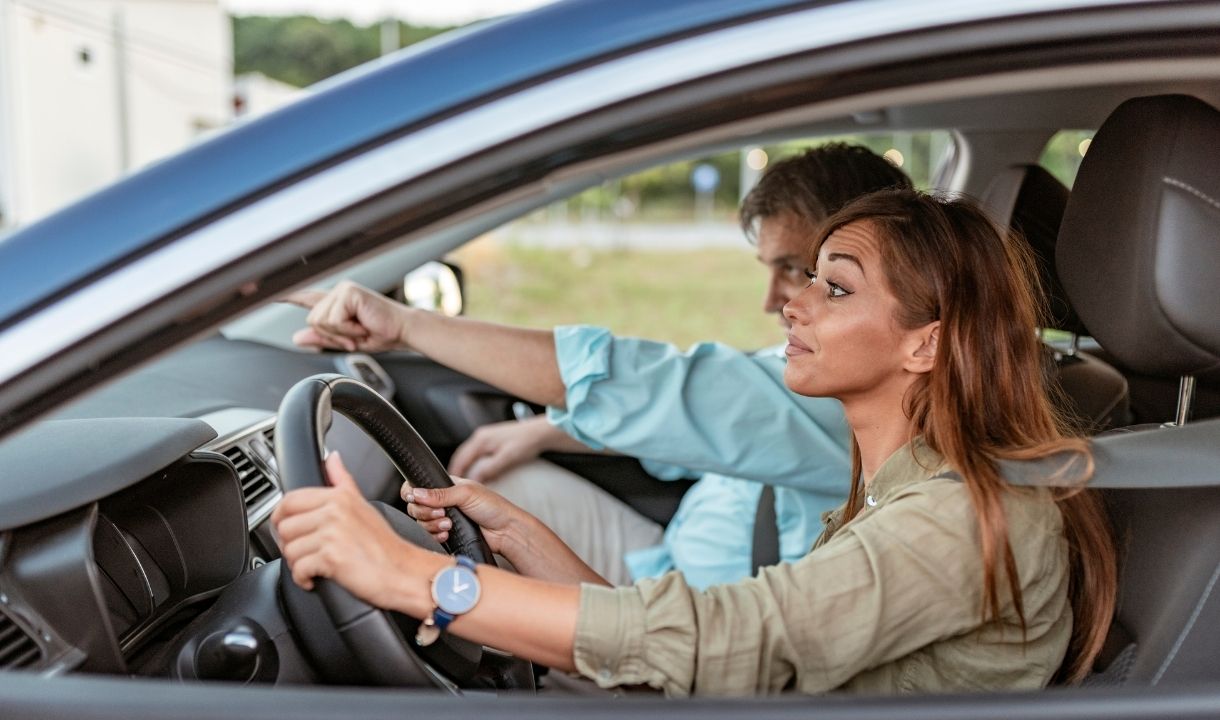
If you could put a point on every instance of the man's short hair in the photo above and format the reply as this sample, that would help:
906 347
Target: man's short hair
816 183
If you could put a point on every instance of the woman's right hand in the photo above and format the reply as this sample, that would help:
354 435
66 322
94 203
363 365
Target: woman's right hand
504 524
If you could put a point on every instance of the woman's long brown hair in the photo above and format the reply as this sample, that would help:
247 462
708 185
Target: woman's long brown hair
987 398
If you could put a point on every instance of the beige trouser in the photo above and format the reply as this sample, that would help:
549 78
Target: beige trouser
597 526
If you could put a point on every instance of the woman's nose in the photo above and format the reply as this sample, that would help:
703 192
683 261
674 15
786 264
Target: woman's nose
797 310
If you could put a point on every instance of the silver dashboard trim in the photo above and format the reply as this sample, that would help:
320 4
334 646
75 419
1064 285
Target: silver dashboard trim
234 422
94 307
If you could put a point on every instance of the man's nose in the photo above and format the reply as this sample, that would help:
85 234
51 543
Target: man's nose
773 301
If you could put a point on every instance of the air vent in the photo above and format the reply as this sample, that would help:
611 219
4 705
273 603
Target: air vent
269 433
17 648
255 485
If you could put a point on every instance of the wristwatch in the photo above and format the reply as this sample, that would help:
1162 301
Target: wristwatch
455 591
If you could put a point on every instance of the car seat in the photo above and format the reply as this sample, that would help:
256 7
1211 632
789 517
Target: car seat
1139 257
1094 393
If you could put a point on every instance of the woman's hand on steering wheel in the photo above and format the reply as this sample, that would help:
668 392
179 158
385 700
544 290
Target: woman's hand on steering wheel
335 533
503 523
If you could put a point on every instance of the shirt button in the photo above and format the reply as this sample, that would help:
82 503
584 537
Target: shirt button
870 500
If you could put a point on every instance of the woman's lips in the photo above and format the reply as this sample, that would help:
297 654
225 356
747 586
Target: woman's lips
796 347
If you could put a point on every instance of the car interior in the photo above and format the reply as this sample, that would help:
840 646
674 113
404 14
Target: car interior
1159 633
141 545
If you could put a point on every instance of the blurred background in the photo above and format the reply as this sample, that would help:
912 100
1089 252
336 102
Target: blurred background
91 90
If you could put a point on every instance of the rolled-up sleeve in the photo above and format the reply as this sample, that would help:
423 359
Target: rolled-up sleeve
583 354
880 589
609 646
710 409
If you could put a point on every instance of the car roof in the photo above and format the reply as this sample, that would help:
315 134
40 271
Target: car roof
362 107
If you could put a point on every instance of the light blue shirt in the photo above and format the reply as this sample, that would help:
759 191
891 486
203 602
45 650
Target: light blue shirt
714 413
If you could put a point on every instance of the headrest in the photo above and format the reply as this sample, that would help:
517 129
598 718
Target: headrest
1034 202
1139 248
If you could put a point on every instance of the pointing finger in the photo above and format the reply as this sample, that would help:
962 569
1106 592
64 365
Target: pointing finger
304 298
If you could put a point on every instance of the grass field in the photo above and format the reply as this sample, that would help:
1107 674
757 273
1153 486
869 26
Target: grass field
678 296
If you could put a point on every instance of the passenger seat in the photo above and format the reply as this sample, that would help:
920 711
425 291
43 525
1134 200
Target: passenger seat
1095 393
1138 256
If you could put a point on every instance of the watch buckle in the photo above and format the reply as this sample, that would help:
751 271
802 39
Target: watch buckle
427 633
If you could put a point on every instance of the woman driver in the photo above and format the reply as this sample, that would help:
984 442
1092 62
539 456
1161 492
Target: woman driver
935 575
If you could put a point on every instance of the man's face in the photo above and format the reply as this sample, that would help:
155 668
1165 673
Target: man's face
783 241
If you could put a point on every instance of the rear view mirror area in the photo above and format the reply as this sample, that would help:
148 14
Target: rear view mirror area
435 286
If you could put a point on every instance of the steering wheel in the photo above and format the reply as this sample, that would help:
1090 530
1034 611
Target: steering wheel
348 639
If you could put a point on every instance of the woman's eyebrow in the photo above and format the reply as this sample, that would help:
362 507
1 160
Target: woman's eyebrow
844 256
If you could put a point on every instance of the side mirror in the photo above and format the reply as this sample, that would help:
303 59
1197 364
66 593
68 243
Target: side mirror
435 286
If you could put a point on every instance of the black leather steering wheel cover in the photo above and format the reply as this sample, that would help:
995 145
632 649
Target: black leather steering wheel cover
311 401
374 638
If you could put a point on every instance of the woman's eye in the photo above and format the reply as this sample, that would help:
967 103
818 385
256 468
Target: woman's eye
834 291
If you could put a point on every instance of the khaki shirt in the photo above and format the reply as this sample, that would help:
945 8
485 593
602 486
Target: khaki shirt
889 602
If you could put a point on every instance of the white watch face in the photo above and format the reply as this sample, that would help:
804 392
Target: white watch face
456 590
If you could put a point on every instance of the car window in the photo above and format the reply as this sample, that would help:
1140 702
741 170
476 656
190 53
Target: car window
656 254
1063 153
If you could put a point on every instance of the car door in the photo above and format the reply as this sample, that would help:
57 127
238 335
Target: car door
737 76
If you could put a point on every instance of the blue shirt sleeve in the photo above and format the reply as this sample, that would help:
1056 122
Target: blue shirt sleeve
710 409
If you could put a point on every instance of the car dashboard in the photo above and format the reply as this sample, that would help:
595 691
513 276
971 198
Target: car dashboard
136 535
134 524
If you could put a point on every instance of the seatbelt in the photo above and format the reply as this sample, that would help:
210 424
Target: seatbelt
766 531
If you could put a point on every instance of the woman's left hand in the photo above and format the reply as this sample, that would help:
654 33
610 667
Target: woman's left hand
505 526
335 533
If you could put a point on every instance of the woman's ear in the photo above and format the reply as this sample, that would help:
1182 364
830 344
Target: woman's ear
923 343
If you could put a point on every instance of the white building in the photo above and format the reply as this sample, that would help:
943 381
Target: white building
254 94
92 89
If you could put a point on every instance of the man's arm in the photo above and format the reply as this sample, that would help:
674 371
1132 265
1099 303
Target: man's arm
710 409
519 361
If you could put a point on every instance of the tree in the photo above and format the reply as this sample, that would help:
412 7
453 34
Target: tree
302 50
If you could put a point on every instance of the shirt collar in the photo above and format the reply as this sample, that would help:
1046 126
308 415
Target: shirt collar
913 462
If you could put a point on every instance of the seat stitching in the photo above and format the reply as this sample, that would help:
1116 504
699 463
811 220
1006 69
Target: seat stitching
1190 623
1193 191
